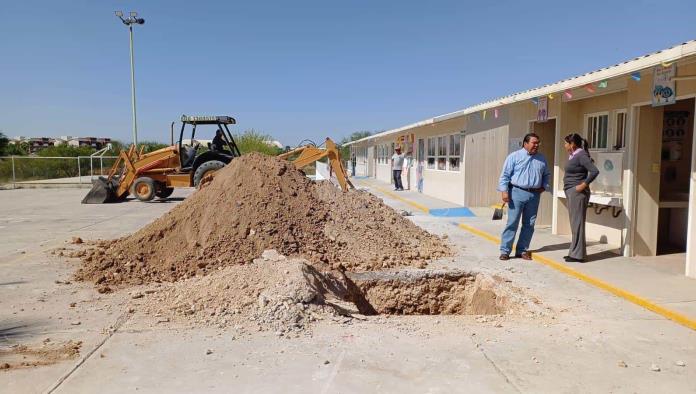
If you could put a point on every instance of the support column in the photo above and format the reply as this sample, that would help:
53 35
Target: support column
629 189
690 269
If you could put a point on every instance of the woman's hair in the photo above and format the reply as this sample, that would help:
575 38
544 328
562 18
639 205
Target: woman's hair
580 142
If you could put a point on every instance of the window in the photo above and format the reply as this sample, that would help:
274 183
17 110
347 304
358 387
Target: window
442 153
432 148
421 150
454 152
597 129
620 138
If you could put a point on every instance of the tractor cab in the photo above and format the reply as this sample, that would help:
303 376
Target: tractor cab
191 152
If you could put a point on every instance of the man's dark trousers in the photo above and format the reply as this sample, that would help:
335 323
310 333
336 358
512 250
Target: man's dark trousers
397 180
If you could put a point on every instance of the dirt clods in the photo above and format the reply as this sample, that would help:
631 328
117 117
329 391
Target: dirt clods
273 293
47 353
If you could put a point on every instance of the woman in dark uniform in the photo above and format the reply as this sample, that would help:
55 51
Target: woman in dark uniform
580 171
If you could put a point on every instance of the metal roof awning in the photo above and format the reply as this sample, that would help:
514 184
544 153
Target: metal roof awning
635 65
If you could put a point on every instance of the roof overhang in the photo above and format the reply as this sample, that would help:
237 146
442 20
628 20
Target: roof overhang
638 64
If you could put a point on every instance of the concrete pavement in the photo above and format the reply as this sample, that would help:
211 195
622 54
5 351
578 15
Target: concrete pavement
579 344
659 280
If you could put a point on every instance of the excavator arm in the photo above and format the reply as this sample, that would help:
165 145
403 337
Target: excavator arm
308 154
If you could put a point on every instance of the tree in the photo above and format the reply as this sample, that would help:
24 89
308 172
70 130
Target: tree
65 150
147 146
345 150
256 141
17 149
4 141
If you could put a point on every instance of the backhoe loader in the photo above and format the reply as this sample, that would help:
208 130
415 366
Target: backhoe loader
157 173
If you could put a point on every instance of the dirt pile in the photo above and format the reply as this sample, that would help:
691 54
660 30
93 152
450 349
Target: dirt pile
273 293
257 203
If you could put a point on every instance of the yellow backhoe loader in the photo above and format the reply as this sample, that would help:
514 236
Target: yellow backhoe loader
309 154
157 173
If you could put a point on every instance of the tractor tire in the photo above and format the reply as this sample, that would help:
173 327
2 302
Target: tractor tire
204 169
163 191
144 189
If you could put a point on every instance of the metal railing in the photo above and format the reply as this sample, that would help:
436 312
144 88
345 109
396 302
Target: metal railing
37 171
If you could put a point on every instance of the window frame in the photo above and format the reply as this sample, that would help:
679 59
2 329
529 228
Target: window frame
431 157
442 152
591 139
439 156
615 147
454 155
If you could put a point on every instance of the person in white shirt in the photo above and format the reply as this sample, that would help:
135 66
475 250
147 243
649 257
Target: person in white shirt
397 165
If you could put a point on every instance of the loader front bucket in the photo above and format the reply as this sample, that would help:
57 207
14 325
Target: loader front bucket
103 192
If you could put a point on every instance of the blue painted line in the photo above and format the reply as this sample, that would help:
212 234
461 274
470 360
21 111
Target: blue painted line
452 212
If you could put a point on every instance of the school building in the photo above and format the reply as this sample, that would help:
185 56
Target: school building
638 117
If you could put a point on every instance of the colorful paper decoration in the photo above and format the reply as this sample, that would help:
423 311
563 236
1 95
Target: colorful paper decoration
635 76
495 113
603 84
550 96
535 101
484 114
590 88
568 94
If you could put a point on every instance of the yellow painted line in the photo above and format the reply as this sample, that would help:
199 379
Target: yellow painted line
404 200
628 296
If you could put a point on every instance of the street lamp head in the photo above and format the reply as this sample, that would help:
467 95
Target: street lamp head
118 13
133 14
140 21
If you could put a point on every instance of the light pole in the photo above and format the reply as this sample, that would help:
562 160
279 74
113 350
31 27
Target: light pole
130 21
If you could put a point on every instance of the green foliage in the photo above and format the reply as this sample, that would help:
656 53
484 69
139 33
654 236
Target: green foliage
345 150
116 147
256 141
4 142
65 151
149 146
20 149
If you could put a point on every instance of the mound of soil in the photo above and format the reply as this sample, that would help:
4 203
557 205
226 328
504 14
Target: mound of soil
273 293
255 203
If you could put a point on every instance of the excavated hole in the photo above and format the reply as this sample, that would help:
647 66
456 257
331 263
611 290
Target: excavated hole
430 292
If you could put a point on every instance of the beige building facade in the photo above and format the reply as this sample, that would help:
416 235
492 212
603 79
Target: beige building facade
639 119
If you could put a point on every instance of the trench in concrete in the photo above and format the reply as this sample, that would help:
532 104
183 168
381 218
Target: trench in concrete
422 292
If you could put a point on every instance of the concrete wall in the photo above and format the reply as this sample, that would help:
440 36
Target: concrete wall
601 227
648 181
486 144
485 154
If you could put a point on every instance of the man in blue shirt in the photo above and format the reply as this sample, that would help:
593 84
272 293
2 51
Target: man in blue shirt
524 177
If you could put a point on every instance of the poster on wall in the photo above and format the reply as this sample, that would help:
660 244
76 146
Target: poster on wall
664 88
543 109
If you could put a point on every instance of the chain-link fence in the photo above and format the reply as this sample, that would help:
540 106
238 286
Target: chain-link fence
35 171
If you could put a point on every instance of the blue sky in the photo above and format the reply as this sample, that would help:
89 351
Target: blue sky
303 69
